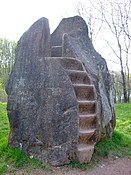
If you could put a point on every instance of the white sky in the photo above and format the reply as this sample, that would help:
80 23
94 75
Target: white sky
16 16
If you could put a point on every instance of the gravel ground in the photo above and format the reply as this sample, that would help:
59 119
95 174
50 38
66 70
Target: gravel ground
119 166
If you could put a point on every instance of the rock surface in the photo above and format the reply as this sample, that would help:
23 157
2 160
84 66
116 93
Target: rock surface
42 107
72 35
59 107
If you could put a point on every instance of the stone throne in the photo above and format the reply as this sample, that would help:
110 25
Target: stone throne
60 101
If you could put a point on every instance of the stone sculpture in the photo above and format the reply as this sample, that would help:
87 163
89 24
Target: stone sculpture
60 100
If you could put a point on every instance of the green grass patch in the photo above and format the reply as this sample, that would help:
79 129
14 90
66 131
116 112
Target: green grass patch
77 164
12 159
123 118
120 145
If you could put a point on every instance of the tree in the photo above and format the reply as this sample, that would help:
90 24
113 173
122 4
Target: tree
118 89
92 15
112 18
7 57
116 77
118 20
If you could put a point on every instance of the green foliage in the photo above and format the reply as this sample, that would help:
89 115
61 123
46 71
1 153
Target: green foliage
11 159
118 85
7 57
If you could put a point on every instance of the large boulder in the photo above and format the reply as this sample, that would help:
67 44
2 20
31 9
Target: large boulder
59 107
72 35
42 112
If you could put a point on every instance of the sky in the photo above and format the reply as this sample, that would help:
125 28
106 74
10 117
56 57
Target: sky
16 16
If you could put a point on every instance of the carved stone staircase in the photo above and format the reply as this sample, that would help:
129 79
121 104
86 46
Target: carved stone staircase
87 105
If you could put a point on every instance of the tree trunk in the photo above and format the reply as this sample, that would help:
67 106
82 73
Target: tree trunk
124 87
122 72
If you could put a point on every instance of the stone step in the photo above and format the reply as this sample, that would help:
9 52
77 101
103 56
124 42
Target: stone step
77 76
70 63
56 51
86 99
84 92
84 152
87 121
87 107
85 135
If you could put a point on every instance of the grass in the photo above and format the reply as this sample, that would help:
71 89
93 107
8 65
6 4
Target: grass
123 113
12 159
119 146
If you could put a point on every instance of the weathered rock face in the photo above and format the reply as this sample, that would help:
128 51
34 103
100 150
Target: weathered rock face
42 106
72 35
59 94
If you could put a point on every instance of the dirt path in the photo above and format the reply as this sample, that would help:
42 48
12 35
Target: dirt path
120 166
